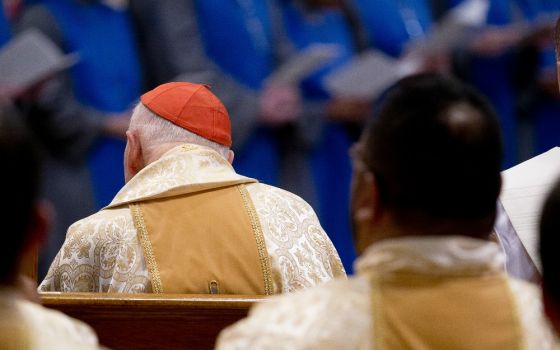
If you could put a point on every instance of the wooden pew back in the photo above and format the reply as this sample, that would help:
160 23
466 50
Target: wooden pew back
153 321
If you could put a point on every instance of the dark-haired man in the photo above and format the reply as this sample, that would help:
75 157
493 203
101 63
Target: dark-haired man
426 180
23 324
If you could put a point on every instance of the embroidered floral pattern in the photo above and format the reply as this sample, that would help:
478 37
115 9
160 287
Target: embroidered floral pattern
299 248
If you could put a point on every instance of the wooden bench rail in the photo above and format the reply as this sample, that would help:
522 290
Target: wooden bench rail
153 321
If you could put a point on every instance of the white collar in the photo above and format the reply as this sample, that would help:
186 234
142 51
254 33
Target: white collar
187 168
433 255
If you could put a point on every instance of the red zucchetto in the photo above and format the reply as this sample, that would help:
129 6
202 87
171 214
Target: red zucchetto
193 107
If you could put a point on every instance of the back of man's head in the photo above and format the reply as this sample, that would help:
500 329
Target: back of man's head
155 131
435 150
19 190
548 246
179 112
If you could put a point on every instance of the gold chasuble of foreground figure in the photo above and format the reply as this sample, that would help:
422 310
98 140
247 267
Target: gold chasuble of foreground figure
186 222
409 293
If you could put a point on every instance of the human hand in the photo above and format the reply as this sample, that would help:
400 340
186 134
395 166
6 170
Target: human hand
493 40
116 125
349 110
423 61
541 36
279 104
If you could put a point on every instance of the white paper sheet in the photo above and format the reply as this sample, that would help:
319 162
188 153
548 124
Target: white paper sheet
454 27
524 191
28 59
363 77
304 63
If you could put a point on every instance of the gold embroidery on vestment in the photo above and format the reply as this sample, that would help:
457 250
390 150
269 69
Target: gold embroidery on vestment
259 237
140 225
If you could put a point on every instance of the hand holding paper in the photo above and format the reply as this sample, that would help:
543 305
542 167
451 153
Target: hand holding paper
29 59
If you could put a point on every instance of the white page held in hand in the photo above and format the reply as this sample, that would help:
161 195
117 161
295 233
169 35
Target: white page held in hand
454 27
304 63
367 75
28 59
524 190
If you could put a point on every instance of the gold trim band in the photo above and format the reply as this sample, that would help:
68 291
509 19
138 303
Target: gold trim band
140 226
259 237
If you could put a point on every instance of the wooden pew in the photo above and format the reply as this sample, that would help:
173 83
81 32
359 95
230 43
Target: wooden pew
153 321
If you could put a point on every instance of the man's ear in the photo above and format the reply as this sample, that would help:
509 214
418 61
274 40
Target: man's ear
230 156
133 157
366 201
366 210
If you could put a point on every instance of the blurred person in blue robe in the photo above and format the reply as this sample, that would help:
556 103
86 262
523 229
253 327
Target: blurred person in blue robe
491 71
507 63
329 22
547 99
81 117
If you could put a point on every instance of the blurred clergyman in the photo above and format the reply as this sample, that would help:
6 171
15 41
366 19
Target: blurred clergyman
426 180
25 324
186 222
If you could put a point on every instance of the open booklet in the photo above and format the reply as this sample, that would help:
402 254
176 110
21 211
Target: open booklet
28 59
524 190
370 73
452 30
304 63
365 76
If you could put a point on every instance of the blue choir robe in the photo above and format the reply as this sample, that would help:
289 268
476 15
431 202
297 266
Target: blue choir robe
107 78
328 159
391 24
237 36
492 76
547 112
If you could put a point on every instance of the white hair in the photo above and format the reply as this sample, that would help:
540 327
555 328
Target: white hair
155 131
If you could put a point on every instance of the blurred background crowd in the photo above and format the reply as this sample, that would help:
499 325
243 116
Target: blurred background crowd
292 135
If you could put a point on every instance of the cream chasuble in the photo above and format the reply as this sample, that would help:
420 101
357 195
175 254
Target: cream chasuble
27 326
105 252
410 293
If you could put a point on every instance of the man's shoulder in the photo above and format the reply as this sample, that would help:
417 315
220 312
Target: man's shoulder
266 193
337 295
54 329
117 219
302 254
311 318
